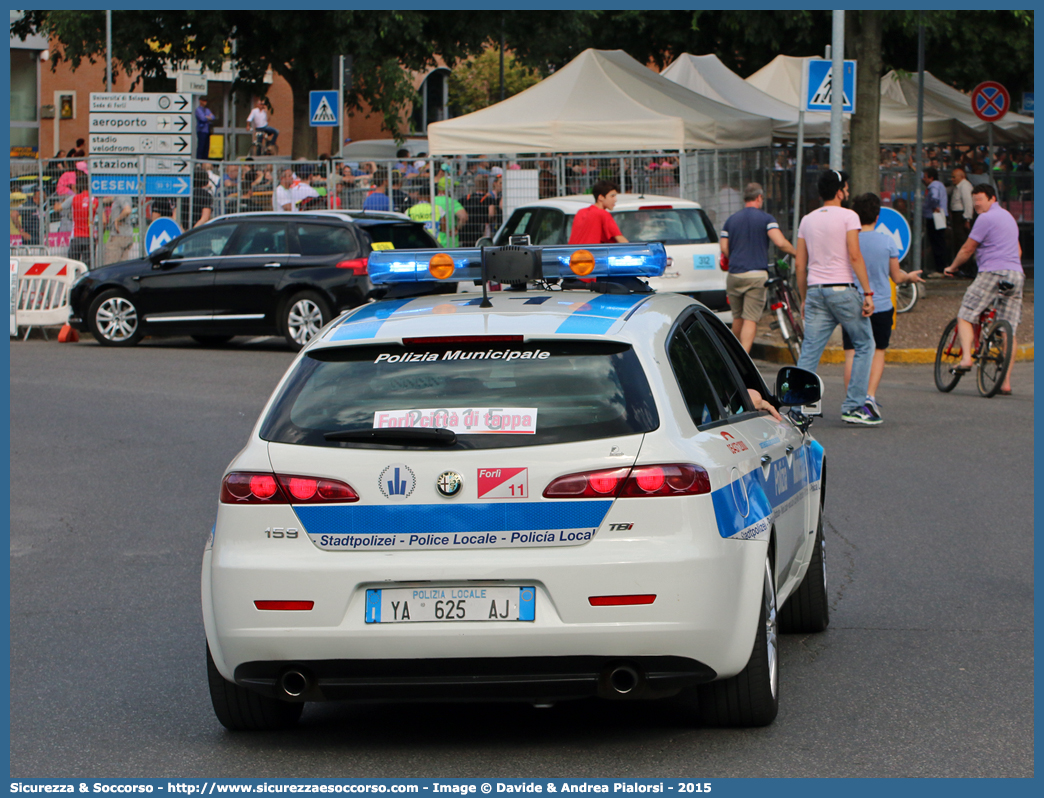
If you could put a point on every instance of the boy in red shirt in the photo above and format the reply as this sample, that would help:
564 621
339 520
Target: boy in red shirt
595 225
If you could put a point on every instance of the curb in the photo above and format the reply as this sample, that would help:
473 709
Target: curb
775 353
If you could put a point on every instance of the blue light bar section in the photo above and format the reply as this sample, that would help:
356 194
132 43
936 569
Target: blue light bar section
611 260
411 265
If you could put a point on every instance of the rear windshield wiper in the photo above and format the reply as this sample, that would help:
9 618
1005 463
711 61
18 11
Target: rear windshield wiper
396 435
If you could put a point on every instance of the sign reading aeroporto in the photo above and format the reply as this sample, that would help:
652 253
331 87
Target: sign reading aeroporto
990 101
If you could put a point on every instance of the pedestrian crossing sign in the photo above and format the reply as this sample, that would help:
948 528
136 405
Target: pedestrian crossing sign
818 83
323 108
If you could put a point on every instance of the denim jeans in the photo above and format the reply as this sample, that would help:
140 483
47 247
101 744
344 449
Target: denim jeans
825 308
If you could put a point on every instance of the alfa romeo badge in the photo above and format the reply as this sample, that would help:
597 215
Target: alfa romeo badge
449 483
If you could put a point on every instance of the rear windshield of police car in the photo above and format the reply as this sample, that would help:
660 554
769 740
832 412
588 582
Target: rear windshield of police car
554 392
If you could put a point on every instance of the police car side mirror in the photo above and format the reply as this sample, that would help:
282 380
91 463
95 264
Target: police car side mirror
796 386
485 241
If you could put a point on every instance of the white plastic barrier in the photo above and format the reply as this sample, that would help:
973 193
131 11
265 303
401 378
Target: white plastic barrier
41 297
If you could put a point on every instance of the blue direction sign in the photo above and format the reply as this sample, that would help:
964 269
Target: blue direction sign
127 185
115 185
167 186
323 109
160 233
1027 103
819 81
894 225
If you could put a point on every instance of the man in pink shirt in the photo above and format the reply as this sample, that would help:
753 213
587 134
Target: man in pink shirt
835 289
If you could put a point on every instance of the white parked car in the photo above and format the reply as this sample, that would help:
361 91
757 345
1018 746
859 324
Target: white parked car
680 224
559 494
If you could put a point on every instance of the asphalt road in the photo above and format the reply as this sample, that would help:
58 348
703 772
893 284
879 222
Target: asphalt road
116 456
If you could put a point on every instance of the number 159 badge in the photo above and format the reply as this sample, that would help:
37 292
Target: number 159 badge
503 483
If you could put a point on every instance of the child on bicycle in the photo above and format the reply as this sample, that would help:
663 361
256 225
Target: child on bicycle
881 256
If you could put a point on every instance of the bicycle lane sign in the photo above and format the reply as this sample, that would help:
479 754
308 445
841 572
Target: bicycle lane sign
894 225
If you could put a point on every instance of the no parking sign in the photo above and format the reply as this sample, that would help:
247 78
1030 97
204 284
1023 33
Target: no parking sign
990 101
894 225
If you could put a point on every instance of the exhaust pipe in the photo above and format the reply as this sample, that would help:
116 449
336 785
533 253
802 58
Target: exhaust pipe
294 683
623 679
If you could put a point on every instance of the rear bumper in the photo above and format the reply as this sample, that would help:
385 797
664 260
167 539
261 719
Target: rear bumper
474 679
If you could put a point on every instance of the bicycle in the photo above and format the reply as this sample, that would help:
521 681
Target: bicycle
261 144
906 296
782 301
993 350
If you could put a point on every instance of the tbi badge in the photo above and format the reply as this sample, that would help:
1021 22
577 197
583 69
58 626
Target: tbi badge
449 483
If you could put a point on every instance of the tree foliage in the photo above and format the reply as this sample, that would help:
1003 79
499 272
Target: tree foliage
963 47
475 83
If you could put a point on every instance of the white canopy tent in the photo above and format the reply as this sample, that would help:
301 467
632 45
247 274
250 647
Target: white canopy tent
945 100
601 101
706 75
781 78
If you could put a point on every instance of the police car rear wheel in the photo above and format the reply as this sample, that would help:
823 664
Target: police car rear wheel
243 710
306 313
751 697
807 610
113 319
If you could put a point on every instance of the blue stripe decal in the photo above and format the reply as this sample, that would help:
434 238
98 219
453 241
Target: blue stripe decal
769 496
367 321
527 604
416 519
599 314
373 606
727 512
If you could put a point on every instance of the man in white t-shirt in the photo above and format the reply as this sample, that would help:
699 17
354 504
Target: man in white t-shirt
290 192
257 119
830 271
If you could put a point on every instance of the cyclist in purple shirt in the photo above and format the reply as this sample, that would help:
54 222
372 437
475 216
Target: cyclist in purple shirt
994 241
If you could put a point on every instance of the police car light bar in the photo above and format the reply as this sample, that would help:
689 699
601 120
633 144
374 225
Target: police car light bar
387 267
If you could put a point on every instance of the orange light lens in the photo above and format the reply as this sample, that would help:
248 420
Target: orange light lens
582 262
441 266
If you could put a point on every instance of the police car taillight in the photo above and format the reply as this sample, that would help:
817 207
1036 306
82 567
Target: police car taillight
244 487
674 479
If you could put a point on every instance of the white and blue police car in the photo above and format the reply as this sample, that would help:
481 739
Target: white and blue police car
579 490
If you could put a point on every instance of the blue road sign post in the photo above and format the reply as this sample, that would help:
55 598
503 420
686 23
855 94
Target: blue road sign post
160 233
894 225
323 109
817 82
